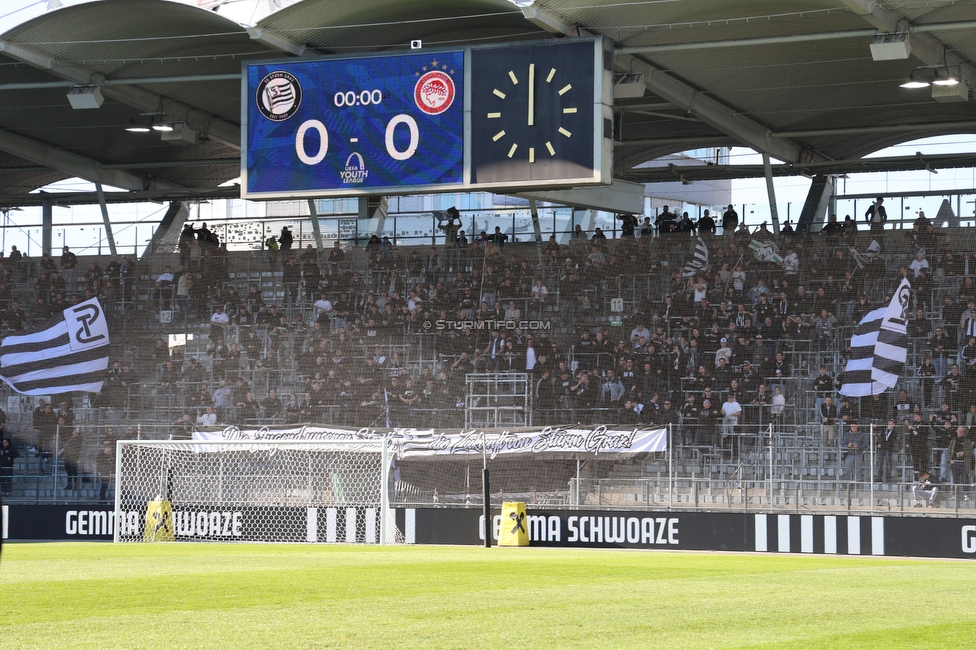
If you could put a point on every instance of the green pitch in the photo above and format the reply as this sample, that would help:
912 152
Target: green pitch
255 596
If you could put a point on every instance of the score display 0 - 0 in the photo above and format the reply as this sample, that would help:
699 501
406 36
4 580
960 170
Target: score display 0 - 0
349 126
533 114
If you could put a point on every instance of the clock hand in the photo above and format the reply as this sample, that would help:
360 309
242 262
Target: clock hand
531 94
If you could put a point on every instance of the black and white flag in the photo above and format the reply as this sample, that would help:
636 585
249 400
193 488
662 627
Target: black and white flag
68 352
879 347
698 263
766 251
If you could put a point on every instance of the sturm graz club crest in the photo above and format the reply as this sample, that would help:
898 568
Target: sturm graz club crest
904 296
279 95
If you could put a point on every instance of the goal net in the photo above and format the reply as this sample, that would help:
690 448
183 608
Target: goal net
254 491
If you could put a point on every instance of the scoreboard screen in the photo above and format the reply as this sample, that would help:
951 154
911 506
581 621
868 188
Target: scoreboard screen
354 126
508 117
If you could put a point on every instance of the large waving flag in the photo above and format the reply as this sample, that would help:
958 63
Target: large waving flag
68 352
879 347
697 263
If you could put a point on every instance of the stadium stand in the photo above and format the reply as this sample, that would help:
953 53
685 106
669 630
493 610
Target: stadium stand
382 336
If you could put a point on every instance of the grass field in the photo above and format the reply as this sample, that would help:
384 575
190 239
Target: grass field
258 596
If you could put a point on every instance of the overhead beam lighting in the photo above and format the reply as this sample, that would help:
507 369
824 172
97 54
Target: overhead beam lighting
85 97
138 126
890 47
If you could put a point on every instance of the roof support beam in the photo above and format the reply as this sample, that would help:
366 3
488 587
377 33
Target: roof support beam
545 19
130 95
800 38
128 81
106 219
680 94
714 113
941 127
668 173
75 165
927 49
275 41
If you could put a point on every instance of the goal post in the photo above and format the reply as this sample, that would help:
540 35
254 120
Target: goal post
280 491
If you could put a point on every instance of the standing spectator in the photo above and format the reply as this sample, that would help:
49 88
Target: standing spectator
876 216
828 420
822 385
960 457
731 411
854 443
707 419
927 373
164 288
939 346
498 238
70 454
291 277
223 399
628 224
917 443
336 257
730 219
705 224
68 259
322 308
271 244
7 456
285 241
105 466
886 445
778 408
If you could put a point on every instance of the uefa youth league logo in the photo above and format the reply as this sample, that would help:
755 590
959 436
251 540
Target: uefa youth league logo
279 96
434 92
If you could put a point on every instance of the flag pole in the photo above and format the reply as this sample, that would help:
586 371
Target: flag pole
670 465
871 469
770 464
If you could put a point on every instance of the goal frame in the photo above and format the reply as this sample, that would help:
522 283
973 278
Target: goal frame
382 443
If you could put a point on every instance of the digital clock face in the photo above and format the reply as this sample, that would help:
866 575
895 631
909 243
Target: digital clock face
354 126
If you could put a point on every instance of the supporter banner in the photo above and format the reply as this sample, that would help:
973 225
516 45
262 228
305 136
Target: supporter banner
417 443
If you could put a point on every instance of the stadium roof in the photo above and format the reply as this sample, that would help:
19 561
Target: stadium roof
794 79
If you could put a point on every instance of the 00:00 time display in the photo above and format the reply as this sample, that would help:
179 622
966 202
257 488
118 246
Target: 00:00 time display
391 149
364 98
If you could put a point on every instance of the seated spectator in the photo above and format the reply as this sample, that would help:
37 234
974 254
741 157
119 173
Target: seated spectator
271 406
208 418
924 490
219 323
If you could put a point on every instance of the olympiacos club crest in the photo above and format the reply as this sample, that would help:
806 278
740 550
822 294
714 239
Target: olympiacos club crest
434 92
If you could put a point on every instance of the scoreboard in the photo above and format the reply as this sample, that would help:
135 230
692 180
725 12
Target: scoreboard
494 117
